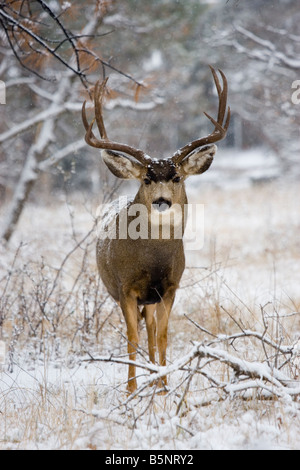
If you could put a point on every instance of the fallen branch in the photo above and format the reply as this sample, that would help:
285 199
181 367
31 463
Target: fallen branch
244 375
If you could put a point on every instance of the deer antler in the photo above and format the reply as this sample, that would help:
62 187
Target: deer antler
104 142
220 127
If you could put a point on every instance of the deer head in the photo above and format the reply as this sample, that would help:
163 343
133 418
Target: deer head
162 180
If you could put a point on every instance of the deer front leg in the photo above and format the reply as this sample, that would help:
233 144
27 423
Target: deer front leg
129 309
163 313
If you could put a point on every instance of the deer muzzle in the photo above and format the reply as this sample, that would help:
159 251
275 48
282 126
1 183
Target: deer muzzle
161 204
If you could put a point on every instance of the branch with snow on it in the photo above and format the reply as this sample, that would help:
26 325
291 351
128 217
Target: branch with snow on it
265 52
244 375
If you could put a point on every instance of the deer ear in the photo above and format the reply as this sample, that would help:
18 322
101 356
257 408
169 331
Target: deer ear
121 166
199 161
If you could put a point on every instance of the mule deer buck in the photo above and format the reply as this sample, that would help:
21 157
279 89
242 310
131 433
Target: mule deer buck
143 274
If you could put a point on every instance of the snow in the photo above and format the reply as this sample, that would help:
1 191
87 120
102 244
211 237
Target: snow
154 62
269 426
239 169
54 396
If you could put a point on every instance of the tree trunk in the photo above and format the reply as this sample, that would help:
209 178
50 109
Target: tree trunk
32 164
30 170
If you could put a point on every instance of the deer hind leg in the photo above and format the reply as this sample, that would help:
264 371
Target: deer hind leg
163 313
130 311
148 314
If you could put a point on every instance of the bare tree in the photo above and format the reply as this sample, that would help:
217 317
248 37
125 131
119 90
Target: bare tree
40 40
38 33
265 61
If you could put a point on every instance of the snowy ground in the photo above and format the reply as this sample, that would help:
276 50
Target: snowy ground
55 317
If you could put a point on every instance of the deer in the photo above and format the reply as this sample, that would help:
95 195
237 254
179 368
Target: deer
143 274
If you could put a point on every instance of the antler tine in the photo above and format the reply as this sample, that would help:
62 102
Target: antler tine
105 142
99 94
89 135
220 127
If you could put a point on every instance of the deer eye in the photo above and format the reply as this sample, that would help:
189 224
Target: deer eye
176 179
147 181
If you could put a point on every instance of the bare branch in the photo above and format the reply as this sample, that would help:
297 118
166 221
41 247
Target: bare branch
29 45
267 51
243 375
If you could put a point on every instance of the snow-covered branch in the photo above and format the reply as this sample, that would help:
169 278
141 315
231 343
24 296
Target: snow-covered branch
58 109
136 105
43 116
268 51
244 376
30 170
69 149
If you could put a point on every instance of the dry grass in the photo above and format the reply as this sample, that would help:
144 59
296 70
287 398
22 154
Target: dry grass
54 312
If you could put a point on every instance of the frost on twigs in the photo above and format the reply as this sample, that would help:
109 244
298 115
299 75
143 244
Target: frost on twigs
219 361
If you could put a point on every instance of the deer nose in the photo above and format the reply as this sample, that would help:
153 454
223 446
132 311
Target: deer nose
161 204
